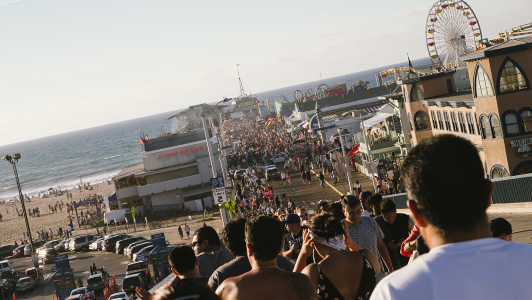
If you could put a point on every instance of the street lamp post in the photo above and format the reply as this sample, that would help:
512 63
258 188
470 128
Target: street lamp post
13 161
347 170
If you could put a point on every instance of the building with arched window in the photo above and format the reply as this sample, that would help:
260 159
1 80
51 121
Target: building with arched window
503 101
489 103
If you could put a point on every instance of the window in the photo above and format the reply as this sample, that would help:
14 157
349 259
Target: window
453 120
485 125
510 121
511 78
449 86
476 123
447 123
482 84
421 120
415 93
410 121
470 124
498 171
434 122
440 119
526 120
495 126
461 120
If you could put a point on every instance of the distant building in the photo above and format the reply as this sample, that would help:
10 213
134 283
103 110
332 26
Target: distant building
489 103
175 173
190 119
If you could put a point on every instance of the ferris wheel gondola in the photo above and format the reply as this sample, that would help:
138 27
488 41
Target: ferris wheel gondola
452 30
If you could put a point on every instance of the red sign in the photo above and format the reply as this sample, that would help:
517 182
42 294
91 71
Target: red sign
180 151
57 280
268 193
300 145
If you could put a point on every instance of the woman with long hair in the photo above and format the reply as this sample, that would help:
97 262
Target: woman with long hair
341 274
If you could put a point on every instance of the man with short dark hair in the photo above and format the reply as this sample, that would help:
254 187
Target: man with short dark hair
366 233
464 261
264 240
294 238
234 237
206 245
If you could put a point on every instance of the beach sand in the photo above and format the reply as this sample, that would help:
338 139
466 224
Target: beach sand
12 228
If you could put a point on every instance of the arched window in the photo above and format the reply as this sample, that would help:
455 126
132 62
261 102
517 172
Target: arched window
415 93
485 126
510 122
495 126
453 120
498 171
526 120
447 123
421 120
476 123
482 83
470 124
434 122
410 121
440 120
462 122
511 78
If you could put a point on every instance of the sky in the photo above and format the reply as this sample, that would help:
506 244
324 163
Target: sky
67 65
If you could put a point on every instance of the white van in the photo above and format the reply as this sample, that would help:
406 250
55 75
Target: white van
118 215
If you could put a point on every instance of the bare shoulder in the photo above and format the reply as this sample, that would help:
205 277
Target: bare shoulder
303 286
227 290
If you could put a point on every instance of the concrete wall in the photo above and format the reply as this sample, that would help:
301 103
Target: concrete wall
176 155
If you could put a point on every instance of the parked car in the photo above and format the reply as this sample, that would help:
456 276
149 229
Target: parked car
10 276
119 296
143 252
97 283
128 248
25 284
47 255
36 245
82 243
60 247
272 173
33 272
109 242
96 245
136 248
6 250
18 251
121 245
51 244
5 265
131 282
139 267
87 294
75 297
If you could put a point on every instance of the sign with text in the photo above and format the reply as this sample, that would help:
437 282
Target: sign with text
158 239
268 193
218 190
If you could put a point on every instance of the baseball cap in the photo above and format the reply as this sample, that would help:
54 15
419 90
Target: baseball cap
365 195
291 218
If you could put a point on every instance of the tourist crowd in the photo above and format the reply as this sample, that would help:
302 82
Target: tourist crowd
358 247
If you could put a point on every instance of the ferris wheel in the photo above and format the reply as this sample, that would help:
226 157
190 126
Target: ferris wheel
452 30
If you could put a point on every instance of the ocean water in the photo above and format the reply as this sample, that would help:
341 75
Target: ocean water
96 154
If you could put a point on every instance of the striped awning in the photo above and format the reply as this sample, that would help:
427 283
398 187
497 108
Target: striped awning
372 108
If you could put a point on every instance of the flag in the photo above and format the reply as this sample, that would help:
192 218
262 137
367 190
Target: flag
355 150
142 141
148 137
410 67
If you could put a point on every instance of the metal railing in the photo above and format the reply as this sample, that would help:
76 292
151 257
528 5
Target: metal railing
380 141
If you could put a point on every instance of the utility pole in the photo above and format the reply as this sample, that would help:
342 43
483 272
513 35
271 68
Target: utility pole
368 150
348 172
213 166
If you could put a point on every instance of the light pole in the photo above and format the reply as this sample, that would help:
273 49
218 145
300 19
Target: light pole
347 170
13 160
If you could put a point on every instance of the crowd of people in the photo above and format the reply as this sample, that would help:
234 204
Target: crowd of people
359 247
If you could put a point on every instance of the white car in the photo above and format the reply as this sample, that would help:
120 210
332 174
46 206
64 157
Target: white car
89 295
120 296
96 245
279 158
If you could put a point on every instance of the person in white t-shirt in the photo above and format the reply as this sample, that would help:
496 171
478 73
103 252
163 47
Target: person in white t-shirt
464 261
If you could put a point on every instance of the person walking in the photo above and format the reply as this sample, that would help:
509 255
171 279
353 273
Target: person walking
322 180
180 231
308 176
187 230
